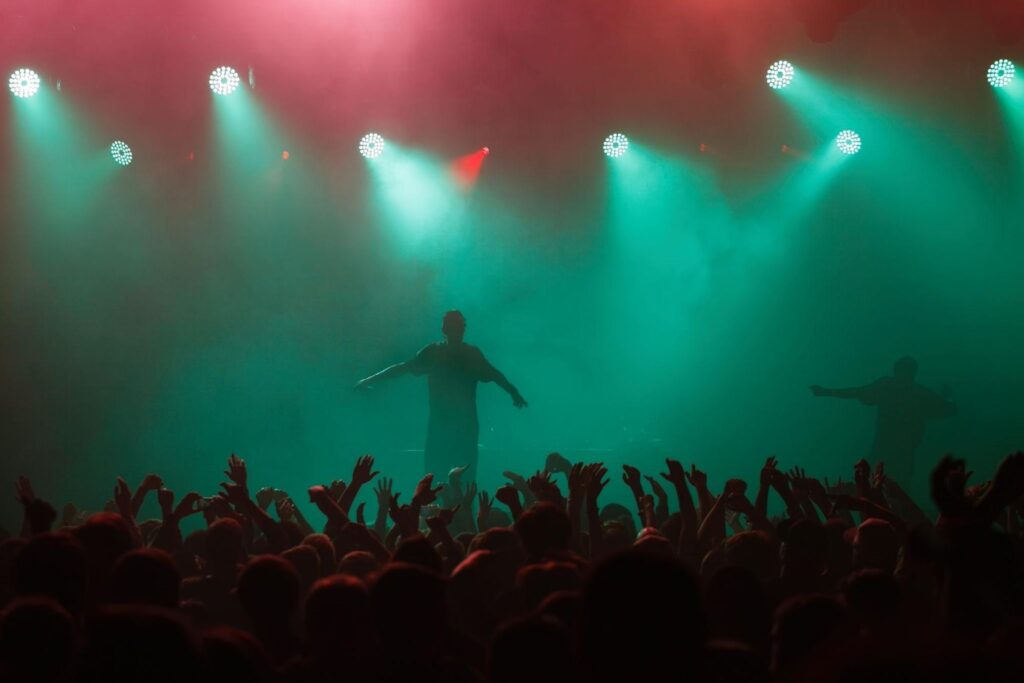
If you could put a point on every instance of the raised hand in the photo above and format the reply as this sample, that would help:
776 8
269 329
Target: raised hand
336 489
285 508
698 479
878 479
467 499
361 513
23 490
518 480
363 472
188 505
596 482
236 494
798 482
443 517
123 498
768 471
676 475
264 497
862 474
383 491
405 517
544 489
69 515
508 495
518 401
484 505
631 477
424 494
165 498
151 482
236 471
656 487
556 462
817 390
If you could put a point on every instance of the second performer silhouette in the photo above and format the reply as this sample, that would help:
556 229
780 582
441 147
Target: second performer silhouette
453 369
904 408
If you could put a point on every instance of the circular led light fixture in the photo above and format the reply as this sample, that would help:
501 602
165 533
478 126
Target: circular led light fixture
615 145
1001 73
121 152
224 80
371 145
24 83
848 142
780 74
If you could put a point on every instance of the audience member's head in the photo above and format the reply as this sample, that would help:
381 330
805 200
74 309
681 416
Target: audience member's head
873 599
306 562
876 546
537 581
230 655
225 546
358 563
544 531
105 537
804 550
338 617
534 648
138 643
407 603
420 551
325 549
37 638
268 591
809 634
147 577
737 608
753 551
652 631
54 565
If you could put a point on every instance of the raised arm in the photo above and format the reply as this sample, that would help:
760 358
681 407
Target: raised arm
852 392
390 372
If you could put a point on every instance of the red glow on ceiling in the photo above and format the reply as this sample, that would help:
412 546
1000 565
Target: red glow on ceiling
793 152
285 155
466 169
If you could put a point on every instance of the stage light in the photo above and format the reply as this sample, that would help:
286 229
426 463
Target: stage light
224 80
371 145
848 142
615 145
24 83
780 74
1001 73
121 152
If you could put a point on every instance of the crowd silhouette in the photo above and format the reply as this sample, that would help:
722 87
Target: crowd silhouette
537 581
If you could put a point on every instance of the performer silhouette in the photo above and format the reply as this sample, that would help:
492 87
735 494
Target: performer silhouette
453 369
904 408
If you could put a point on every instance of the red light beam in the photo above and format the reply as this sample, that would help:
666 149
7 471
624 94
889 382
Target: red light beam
466 169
